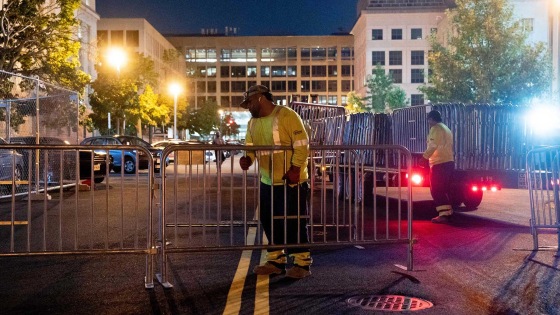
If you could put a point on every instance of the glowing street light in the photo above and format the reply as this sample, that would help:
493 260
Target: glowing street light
175 89
116 58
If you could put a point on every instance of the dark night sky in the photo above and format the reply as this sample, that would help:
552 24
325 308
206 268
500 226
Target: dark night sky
251 17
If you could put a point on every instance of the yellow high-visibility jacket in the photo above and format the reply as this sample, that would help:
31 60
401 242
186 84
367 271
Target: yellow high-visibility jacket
283 127
440 145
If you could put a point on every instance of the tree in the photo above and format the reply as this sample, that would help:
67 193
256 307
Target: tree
486 58
119 93
228 126
382 93
37 39
203 120
354 103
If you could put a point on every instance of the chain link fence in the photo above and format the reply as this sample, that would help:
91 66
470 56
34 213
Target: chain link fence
30 107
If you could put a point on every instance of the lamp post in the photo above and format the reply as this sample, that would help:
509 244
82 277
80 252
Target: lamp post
175 89
116 57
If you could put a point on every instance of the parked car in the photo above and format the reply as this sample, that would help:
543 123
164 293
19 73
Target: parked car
164 143
129 163
11 166
68 160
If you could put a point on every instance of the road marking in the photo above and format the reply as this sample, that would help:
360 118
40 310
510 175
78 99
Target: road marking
262 305
233 303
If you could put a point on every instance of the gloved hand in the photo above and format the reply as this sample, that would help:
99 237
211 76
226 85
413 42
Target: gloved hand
292 175
245 162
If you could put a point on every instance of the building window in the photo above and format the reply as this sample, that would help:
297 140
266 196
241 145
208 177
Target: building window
377 34
251 83
201 87
332 86
346 85
132 39
396 75
396 34
319 86
201 71
278 71
344 100
416 33
292 71
319 71
527 25
224 86
224 71
265 83
292 86
417 76
278 54
332 71
395 58
211 86
305 54
236 100
225 55
331 53
305 86
117 38
224 101
322 99
211 72
265 71
238 86
417 57
238 72
347 53
292 53
332 100
279 86
239 55
305 71
377 58
251 55
102 38
319 53
252 71
416 99
346 70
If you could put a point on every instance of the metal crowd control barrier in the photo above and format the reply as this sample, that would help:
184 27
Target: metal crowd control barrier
543 174
207 206
61 199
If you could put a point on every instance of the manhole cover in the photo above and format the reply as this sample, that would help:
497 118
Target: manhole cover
389 303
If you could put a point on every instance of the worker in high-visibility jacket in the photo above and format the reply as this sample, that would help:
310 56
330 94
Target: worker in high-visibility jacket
283 174
439 153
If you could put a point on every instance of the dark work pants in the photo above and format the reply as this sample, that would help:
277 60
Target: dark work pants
292 200
441 178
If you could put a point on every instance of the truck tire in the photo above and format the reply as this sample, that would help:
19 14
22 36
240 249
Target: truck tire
472 199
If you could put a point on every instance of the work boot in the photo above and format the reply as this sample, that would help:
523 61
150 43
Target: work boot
441 219
269 268
297 272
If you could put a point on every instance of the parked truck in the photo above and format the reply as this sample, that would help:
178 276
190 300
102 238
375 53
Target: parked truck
490 142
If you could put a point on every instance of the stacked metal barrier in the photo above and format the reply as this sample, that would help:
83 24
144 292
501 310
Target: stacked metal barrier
487 137
543 174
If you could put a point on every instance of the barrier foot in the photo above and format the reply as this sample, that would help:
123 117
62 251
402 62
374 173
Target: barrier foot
39 196
148 285
165 285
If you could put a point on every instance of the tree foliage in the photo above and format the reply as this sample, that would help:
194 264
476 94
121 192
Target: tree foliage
354 103
203 120
127 95
37 38
382 94
486 58
228 126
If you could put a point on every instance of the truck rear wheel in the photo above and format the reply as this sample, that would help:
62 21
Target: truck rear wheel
472 199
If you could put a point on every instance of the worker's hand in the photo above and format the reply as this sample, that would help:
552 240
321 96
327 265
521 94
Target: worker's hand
245 162
292 175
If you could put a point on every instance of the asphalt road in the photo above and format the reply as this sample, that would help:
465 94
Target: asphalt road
481 263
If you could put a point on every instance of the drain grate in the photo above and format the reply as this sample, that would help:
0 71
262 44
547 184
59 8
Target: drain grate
389 303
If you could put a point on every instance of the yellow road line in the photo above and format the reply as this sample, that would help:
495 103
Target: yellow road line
233 303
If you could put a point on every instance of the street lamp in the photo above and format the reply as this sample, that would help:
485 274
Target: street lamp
175 89
116 58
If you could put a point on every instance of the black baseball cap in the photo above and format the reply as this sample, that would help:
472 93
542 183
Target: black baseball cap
255 89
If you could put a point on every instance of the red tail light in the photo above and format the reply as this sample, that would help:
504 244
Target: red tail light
474 188
416 179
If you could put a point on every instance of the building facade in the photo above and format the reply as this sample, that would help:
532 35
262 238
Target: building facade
137 35
306 68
